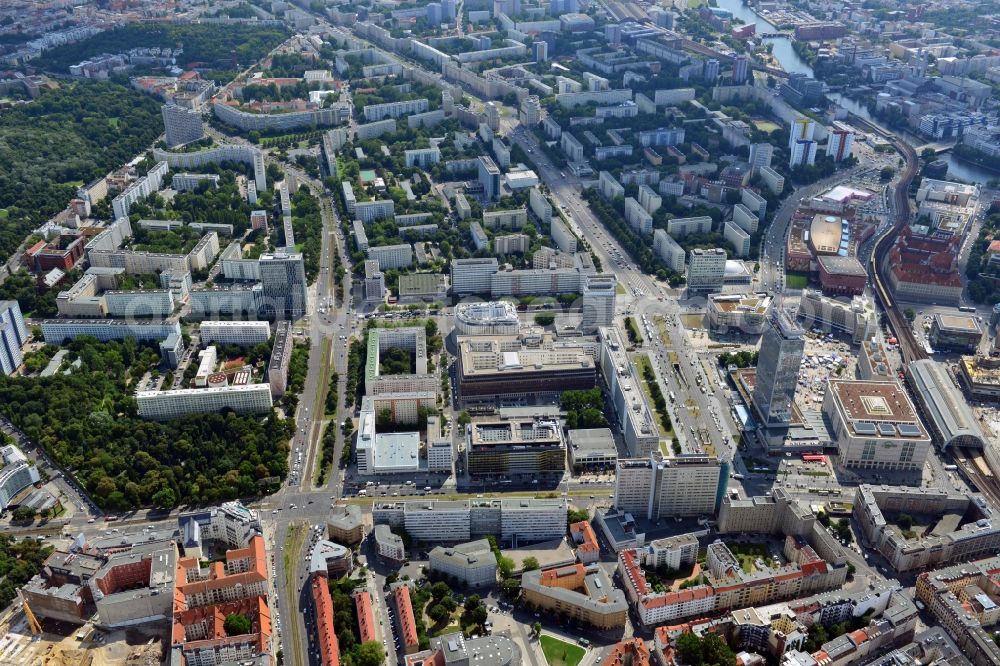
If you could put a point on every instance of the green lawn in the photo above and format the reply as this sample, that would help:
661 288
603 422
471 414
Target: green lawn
796 280
3 213
619 287
561 653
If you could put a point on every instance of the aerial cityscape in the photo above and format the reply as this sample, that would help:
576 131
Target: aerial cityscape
499 333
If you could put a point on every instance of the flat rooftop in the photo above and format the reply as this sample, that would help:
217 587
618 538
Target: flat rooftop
874 402
842 265
755 303
963 323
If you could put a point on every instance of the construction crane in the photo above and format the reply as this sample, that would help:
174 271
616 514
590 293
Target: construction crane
33 623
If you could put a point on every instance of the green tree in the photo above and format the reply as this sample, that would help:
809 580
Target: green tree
370 654
689 649
440 590
471 602
439 614
545 319
536 628
506 567
464 418
905 521
530 563
237 624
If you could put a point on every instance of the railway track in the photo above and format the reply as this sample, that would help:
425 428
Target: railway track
901 327
975 466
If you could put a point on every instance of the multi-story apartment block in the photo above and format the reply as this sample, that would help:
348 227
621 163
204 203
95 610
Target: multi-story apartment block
57 331
516 520
682 226
392 256
281 356
667 249
966 527
656 487
369 211
632 414
535 282
609 187
489 177
956 598
511 244
663 136
674 552
472 276
242 399
572 147
15 475
746 219
139 190
513 218
339 112
584 593
422 157
774 181
637 217
564 239
13 335
136 586
739 238
182 125
240 333
227 152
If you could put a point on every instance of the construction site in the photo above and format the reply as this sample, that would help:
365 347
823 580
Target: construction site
27 642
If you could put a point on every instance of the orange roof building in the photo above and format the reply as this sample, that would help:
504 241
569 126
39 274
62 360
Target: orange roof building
587 549
242 575
632 652
407 623
329 649
366 617
199 632
203 598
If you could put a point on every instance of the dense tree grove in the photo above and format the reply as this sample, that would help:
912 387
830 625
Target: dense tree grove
211 45
87 421
66 137
19 561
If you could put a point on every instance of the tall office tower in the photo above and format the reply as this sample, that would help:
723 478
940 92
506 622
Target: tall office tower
801 144
711 71
182 125
283 279
491 112
760 155
597 302
840 142
741 67
13 335
781 352
489 177
448 10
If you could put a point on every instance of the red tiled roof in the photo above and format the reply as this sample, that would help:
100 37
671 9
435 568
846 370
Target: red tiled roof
366 618
629 652
329 649
407 624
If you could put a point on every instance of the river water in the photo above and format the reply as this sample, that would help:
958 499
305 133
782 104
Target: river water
791 62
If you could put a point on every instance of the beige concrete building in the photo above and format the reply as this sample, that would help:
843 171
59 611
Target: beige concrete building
583 593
